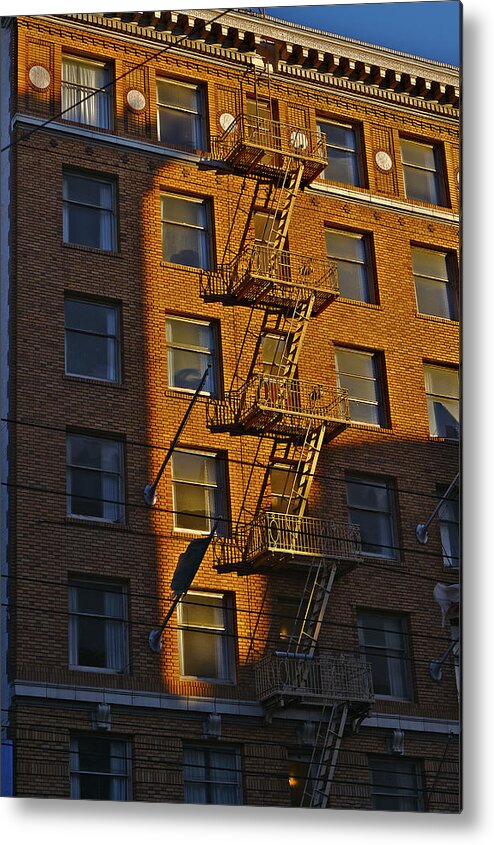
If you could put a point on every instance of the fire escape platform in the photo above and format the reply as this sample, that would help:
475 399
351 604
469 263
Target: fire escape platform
278 406
284 679
267 148
275 539
265 277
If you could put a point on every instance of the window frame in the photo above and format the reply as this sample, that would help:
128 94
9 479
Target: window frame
67 203
378 367
394 763
76 772
199 123
120 502
445 540
105 91
450 282
117 337
439 171
208 751
105 586
391 513
213 352
227 673
221 494
367 263
207 229
430 397
367 651
357 157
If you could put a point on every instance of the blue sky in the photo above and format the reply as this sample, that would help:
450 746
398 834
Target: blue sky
425 28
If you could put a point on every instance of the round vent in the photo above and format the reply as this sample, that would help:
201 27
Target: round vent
226 121
298 139
383 160
39 77
136 100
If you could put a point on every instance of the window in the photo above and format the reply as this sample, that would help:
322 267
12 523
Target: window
185 231
275 349
370 506
287 624
212 776
98 637
396 784
422 172
205 632
89 211
100 769
300 779
191 348
198 498
383 640
343 154
179 114
95 477
284 479
442 392
433 277
449 526
360 374
92 345
350 252
82 99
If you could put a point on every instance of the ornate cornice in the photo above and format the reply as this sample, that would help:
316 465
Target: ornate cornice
295 52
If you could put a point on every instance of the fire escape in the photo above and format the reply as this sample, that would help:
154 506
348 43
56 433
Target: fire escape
297 418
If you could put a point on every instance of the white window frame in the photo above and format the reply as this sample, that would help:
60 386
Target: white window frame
207 245
224 633
390 513
198 112
102 96
446 281
208 784
394 763
119 503
118 748
430 397
365 262
211 351
76 614
110 210
377 379
356 153
111 338
439 185
367 650
217 496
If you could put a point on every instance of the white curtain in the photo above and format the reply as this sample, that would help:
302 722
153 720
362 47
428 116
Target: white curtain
195 776
78 80
115 631
119 785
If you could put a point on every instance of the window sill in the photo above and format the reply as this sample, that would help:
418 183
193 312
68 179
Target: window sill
93 250
374 306
209 681
95 522
370 427
94 381
99 670
453 441
178 393
184 267
434 319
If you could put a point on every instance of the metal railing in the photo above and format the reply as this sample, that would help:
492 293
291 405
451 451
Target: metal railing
280 403
285 535
329 678
273 136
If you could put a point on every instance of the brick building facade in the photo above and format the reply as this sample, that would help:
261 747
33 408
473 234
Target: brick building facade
217 189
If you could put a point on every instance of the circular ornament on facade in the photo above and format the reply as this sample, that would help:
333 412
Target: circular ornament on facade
226 121
458 176
383 160
136 100
298 139
39 77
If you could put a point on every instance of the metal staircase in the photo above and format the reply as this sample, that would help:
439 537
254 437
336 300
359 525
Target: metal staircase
298 417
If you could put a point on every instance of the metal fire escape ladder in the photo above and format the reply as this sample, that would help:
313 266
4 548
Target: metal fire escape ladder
315 601
324 758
